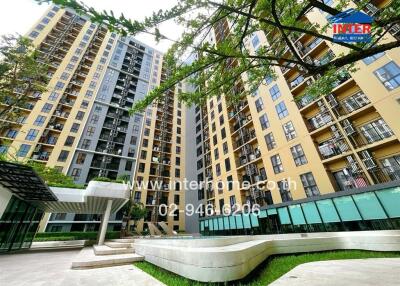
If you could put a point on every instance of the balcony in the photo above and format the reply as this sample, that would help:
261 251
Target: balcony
349 104
372 132
333 147
247 137
41 156
320 119
249 157
303 51
296 82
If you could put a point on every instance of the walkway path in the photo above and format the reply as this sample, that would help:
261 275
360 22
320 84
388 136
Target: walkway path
53 268
354 272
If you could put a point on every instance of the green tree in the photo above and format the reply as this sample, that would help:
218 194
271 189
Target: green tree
227 66
22 77
133 212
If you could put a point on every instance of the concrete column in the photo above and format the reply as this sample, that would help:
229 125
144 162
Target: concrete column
104 223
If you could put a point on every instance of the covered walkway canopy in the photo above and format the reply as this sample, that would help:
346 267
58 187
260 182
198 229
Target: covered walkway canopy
28 188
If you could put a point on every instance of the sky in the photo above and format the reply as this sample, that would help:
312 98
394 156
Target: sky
17 16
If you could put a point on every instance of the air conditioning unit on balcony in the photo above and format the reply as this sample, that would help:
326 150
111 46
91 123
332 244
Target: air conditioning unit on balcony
368 160
348 127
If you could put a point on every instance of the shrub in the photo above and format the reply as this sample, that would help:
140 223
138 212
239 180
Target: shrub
73 235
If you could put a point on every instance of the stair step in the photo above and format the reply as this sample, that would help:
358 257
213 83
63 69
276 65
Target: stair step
127 240
87 259
118 244
106 250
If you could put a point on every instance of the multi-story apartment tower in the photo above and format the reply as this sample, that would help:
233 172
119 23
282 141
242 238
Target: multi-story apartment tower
161 166
81 125
340 141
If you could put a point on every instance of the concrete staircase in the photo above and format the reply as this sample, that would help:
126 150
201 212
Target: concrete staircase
112 253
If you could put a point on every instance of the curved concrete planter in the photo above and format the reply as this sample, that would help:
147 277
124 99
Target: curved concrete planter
228 259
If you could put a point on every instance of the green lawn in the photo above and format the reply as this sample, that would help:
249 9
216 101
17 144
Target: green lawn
268 271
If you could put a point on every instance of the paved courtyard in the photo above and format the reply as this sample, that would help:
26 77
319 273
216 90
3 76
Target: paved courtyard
53 268
355 272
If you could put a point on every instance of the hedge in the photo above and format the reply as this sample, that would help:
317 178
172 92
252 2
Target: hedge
73 235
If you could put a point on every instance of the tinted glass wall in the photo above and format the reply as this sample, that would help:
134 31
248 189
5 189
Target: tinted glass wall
374 210
18 225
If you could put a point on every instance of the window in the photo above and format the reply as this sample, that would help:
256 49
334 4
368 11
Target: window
229 180
177 173
298 155
389 75
277 164
84 104
76 173
264 121
94 119
281 110
259 104
221 120
178 140
63 156
255 41
80 115
33 34
31 135
59 85
289 130
215 139
371 59
270 141
80 159
376 130
128 165
69 141
39 120
199 164
133 140
64 76
86 143
198 139
47 107
218 169
74 127
284 191
178 150
223 133
216 154
90 131
11 133
268 80
310 187
220 107
225 148
23 150
53 96
199 151
177 161
274 92
143 154
227 164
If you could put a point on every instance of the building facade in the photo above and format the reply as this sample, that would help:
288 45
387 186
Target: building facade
341 141
81 125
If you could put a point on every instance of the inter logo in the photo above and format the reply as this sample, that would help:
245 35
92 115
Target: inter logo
351 26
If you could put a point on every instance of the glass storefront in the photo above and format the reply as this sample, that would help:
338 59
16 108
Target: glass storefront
371 210
18 225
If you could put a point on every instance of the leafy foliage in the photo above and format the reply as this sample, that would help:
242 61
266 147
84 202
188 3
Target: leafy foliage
137 212
22 77
226 65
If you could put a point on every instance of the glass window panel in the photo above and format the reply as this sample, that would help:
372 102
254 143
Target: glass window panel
263 214
284 216
271 211
246 221
369 206
232 222
239 222
347 209
211 224
202 225
327 211
297 215
390 199
311 213
254 220
206 223
226 222
215 224
220 223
